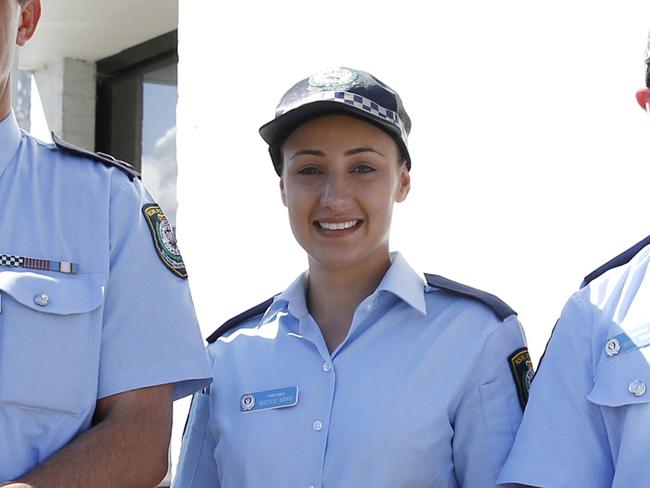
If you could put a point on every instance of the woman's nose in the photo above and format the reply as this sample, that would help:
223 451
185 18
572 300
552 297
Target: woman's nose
335 191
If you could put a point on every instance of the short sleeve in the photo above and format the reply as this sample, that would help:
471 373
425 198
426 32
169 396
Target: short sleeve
490 411
197 466
562 440
150 335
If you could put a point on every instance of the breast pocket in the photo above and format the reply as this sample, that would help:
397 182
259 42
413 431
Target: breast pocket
50 338
623 380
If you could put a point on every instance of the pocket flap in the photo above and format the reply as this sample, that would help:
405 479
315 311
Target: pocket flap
622 380
63 295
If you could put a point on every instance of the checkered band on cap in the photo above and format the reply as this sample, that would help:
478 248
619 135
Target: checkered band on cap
354 100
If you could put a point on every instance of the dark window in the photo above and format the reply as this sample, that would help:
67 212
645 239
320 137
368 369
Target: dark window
136 113
120 93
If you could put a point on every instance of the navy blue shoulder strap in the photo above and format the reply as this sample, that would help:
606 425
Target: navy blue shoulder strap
238 319
619 260
500 308
106 159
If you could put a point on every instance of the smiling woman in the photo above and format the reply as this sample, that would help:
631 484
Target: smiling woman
385 379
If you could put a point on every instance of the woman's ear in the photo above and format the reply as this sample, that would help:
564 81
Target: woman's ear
404 183
283 193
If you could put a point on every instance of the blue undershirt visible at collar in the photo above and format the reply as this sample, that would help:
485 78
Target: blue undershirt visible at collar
10 137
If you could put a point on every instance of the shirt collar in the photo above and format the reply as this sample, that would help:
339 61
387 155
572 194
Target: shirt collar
10 137
403 282
292 299
400 280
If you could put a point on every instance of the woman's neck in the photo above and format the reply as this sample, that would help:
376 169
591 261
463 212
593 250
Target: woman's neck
333 294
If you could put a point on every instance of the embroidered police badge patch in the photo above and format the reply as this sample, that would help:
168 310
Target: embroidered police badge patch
522 372
164 239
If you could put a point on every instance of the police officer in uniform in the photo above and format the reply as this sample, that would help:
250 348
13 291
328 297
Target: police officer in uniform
360 373
97 330
586 425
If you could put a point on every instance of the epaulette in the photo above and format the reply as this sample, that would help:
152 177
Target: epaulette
106 159
238 319
619 260
499 307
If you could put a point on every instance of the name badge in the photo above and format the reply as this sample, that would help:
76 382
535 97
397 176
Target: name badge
267 400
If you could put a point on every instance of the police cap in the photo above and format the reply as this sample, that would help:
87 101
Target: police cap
339 90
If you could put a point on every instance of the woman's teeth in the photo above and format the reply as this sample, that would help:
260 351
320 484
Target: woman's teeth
338 226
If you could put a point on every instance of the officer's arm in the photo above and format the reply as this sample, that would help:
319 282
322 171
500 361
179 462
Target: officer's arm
562 440
127 446
490 411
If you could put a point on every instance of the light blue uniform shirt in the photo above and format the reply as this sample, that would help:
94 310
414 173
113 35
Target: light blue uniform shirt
124 321
419 394
587 424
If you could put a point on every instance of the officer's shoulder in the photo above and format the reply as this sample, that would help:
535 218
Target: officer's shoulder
621 260
95 157
497 306
234 322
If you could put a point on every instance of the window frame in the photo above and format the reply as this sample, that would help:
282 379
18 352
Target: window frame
120 78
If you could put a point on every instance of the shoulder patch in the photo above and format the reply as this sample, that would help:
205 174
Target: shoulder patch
522 371
105 159
164 239
499 307
238 319
619 260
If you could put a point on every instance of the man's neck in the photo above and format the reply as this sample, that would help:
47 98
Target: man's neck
5 98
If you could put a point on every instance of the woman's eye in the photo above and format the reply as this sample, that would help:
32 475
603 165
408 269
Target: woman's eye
363 168
309 170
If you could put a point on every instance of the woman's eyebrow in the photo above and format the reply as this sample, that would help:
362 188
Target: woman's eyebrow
308 152
358 150
349 152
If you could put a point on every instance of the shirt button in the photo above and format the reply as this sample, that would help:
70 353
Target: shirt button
637 388
317 426
612 348
41 299
327 367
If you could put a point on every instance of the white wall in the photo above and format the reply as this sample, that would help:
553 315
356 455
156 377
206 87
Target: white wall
67 89
529 151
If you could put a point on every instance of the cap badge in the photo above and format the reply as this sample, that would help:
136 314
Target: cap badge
333 79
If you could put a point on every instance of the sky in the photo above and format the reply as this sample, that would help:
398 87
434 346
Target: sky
529 150
159 145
